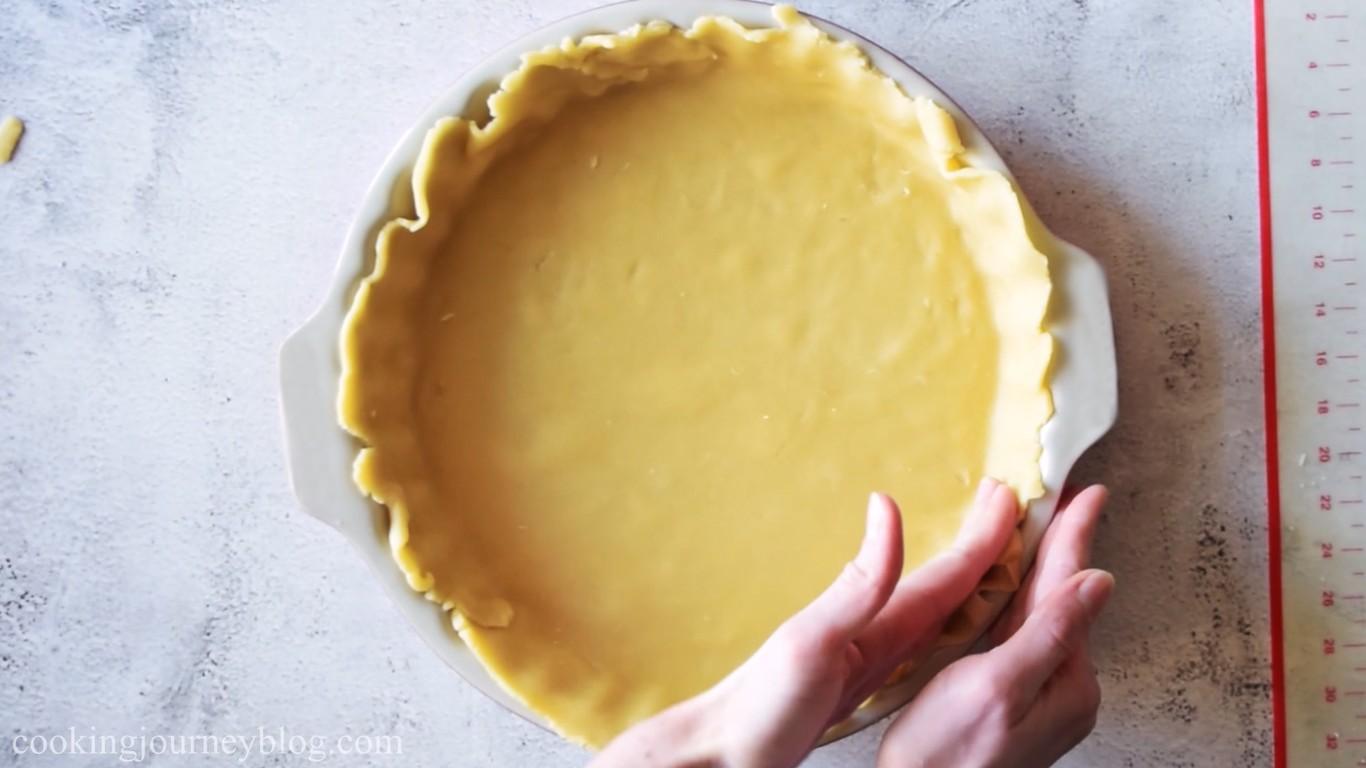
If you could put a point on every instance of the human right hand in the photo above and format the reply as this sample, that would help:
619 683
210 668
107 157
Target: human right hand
1033 697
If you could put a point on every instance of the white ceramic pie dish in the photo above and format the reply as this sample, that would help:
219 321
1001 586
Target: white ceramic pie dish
320 453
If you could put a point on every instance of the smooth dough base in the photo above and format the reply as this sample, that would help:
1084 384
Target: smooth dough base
659 328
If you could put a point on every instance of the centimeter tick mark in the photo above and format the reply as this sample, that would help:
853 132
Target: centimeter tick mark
1339 300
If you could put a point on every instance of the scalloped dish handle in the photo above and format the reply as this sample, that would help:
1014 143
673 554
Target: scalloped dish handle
1090 339
307 404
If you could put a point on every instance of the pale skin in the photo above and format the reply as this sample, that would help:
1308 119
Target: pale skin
1023 703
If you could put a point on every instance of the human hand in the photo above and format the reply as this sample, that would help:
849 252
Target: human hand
1034 696
823 662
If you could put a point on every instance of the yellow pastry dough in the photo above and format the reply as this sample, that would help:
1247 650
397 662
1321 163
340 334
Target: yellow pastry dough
659 327
11 128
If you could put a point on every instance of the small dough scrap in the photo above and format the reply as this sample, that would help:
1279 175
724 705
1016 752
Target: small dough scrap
11 128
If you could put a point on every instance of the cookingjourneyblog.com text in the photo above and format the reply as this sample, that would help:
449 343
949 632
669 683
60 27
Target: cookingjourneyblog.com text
243 747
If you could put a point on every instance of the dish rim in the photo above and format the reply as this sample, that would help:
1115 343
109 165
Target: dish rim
319 453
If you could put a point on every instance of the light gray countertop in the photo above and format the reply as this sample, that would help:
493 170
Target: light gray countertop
175 208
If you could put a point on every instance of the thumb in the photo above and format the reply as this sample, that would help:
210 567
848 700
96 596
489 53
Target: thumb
1054 632
864 585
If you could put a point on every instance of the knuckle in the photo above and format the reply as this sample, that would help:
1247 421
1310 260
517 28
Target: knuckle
966 563
1083 724
1084 697
952 568
994 684
801 645
793 638
856 658
995 698
855 577
1058 630
895 753
1092 695
958 557
1088 722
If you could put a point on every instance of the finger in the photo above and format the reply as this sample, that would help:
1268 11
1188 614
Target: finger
1064 550
985 488
1069 492
864 585
1068 546
932 592
927 596
1055 632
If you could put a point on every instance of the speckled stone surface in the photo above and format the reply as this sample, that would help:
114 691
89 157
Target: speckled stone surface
174 211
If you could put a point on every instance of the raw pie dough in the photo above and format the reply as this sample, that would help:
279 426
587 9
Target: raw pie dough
11 128
659 327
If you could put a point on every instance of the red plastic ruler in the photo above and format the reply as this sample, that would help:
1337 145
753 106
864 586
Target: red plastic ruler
1312 130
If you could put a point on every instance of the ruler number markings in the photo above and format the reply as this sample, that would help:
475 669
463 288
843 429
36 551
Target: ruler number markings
1311 122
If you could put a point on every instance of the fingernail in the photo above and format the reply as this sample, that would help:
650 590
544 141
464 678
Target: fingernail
981 517
984 490
1094 591
878 503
